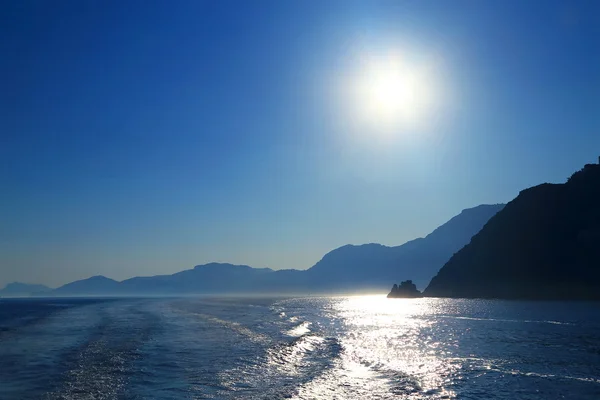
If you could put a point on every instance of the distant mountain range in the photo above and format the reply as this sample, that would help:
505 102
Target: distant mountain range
545 244
346 269
18 289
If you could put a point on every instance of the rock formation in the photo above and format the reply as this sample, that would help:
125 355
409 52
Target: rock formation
407 289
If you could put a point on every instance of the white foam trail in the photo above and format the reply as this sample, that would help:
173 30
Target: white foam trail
540 375
300 330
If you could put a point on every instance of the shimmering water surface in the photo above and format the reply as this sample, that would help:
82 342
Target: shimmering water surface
301 348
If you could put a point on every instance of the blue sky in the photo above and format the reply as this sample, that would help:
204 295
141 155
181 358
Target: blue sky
146 137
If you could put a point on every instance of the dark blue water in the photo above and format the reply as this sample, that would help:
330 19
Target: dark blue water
311 348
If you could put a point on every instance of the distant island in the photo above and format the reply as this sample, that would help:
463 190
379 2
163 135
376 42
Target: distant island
545 244
353 269
406 290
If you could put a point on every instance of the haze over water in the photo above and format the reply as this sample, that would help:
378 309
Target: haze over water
301 348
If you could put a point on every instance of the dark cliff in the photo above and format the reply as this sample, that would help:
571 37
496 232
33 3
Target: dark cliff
545 244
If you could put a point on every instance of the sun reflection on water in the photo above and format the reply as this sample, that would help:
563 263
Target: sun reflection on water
388 351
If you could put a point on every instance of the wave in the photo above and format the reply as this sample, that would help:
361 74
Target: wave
101 366
299 330
234 326
507 320
549 376
304 350
285 367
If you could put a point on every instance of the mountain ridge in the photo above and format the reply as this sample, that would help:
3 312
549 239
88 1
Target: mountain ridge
420 258
346 269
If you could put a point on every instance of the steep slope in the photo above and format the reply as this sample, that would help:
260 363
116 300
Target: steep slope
545 244
23 289
375 266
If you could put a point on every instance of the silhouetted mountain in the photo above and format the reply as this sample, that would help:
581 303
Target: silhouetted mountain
210 278
545 244
406 290
346 269
374 266
23 289
96 286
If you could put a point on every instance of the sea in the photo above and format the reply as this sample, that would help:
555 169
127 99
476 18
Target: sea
362 347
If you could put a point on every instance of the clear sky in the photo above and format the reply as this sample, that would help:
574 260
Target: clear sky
145 137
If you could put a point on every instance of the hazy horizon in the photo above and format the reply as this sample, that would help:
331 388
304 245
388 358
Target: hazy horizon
139 139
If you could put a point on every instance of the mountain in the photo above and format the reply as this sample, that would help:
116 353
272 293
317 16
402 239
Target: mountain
94 286
17 289
545 244
374 266
346 269
211 278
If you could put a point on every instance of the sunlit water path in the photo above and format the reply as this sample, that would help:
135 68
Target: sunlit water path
304 348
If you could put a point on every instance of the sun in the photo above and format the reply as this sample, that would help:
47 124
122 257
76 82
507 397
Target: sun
390 91
391 94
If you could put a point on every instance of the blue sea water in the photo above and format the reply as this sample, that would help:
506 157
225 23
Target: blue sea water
365 347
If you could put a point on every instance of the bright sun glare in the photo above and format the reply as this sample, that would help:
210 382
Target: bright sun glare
391 94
